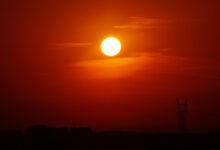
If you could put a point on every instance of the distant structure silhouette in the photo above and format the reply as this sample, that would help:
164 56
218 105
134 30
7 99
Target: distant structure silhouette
48 131
182 113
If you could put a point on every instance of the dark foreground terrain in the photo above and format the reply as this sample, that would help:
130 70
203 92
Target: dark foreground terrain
43 137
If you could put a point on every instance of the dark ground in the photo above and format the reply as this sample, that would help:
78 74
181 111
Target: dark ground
43 137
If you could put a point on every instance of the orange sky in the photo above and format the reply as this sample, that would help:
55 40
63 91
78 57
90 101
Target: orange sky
53 71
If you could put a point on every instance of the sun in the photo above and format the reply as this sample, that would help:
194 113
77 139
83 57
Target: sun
111 46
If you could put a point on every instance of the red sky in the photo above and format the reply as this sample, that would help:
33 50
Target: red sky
53 71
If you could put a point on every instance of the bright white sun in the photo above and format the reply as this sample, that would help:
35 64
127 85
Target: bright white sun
111 46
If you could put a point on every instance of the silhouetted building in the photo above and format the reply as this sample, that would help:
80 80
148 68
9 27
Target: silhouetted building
81 131
41 130
63 131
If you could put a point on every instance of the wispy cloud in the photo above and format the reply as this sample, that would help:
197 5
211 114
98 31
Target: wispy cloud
145 69
150 23
68 44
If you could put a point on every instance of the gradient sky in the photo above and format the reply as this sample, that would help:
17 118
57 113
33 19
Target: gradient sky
53 71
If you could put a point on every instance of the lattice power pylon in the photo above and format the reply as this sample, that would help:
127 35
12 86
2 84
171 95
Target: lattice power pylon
182 113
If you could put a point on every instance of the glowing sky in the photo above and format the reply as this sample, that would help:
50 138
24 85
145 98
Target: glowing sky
54 72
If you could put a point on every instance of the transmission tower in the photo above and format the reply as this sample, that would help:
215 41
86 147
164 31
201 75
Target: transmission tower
182 113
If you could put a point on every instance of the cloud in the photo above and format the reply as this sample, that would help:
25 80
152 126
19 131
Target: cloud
150 23
149 68
110 68
68 44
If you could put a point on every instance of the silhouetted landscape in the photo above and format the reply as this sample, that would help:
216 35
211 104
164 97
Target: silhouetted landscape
46 137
